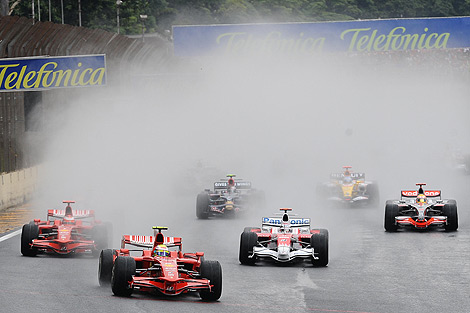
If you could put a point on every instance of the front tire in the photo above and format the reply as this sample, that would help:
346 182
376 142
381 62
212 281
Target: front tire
319 242
247 241
28 234
202 206
391 211
212 271
450 210
105 267
123 270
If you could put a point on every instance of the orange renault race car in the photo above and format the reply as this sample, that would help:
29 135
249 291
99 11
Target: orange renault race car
161 267
421 209
349 187
65 232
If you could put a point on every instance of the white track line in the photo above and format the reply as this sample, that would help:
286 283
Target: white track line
13 234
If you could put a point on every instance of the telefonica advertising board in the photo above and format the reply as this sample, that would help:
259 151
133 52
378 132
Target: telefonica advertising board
39 73
310 38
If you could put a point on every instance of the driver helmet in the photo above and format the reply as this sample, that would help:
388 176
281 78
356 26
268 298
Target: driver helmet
231 182
347 180
421 199
161 250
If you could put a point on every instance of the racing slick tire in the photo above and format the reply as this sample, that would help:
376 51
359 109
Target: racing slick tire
450 210
319 242
212 271
391 211
29 232
202 206
123 269
248 240
105 267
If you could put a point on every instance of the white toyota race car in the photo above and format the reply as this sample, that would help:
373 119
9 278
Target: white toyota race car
284 239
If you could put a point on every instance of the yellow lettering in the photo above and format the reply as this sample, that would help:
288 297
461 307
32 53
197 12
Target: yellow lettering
60 74
29 77
4 69
378 41
81 80
97 80
11 77
42 70
355 32
427 44
438 45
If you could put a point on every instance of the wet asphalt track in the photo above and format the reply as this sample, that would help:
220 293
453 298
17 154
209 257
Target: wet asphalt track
369 271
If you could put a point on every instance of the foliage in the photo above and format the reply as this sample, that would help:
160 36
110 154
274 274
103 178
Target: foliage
162 14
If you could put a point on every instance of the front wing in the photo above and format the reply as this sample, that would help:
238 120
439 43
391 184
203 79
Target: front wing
170 287
433 221
64 247
283 256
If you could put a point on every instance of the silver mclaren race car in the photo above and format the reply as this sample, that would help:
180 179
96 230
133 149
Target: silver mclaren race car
421 209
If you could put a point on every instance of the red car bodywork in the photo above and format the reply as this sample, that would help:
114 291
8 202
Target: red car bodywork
170 275
67 231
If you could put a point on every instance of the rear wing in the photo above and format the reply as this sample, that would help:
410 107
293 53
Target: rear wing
277 222
147 241
414 193
78 214
238 185
354 176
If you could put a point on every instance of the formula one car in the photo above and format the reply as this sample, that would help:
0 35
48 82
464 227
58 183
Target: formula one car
421 209
161 267
350 188
65 232
284 239
228 198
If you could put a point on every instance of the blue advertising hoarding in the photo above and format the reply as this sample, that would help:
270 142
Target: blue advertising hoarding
311 38
39 73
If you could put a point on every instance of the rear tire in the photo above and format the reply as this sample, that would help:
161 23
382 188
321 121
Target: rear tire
123 270
202 205
247 241
450 210
29 232
391 211
319 242
105 267
212 271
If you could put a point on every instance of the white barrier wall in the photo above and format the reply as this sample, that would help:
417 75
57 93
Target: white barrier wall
17 187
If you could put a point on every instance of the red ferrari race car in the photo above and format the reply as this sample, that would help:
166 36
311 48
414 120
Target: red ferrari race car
421 209
284 240
65 232
161 267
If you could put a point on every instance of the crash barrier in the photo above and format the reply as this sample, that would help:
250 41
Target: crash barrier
126 59
17 187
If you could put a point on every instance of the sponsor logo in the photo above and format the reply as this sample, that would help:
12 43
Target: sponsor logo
52 72
414 193
278 221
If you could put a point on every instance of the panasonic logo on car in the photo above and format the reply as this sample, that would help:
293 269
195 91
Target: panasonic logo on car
278 221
